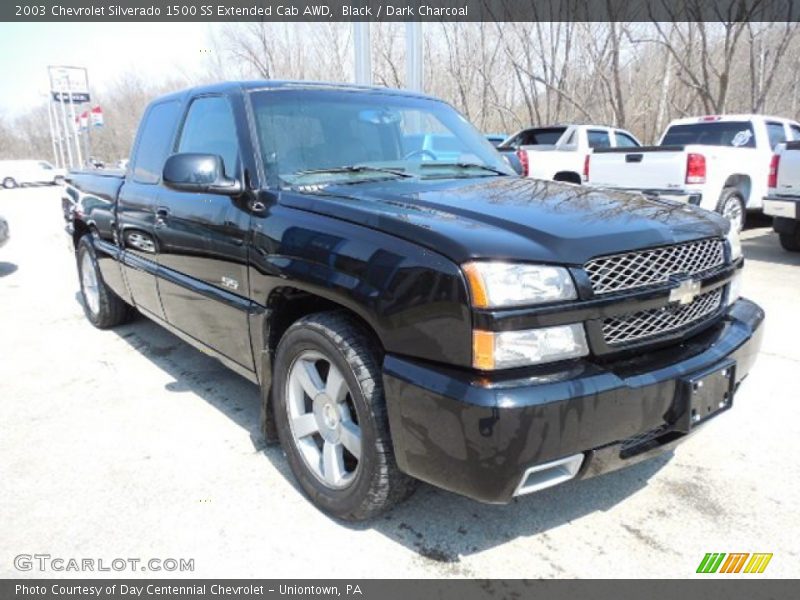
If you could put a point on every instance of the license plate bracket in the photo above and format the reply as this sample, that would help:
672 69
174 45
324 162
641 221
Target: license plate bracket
704 395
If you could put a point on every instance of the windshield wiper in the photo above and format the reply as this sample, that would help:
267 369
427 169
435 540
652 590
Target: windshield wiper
465 165
353 169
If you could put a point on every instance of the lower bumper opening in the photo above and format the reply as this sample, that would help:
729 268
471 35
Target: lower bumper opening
549 474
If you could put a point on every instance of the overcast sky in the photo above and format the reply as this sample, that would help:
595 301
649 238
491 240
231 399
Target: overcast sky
106 49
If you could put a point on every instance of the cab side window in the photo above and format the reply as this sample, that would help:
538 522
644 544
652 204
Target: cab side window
598 138
210 128
776 133
157 126
625 141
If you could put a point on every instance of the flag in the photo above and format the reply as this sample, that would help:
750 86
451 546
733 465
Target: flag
97 117
81 121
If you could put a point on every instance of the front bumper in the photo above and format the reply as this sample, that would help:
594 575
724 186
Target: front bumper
477 435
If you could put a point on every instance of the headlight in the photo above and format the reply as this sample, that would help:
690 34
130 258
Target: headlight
502 284
507 349
734 243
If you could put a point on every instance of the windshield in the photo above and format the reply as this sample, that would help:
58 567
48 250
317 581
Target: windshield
738 134
311 137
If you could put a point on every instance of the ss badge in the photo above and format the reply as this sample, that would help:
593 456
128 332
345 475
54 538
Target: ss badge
230 283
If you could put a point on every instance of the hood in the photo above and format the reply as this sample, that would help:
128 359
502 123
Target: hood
511 218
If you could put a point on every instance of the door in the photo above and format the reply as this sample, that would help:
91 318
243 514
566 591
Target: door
135 209
202 241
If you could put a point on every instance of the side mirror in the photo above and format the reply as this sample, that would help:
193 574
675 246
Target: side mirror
202 173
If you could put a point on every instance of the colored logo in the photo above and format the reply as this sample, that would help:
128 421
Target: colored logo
736 562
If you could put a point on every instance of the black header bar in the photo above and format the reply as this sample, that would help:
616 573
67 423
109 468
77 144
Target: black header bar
398 10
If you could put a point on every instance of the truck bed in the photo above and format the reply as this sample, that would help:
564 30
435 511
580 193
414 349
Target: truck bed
645 168
103 183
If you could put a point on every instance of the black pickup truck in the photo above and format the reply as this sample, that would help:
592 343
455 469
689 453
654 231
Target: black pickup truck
407 315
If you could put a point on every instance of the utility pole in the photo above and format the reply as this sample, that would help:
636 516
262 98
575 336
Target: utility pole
415 60
362 47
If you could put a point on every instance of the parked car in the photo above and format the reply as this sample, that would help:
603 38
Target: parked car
783 199
409 317
3 232
14 173
560 152
717 162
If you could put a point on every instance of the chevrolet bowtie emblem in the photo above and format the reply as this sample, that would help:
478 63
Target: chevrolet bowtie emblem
687 290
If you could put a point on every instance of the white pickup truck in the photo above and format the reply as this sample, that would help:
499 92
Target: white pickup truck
783 200
14 173
716 162
560 152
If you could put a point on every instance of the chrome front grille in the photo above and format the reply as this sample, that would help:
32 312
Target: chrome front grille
655 266
650 323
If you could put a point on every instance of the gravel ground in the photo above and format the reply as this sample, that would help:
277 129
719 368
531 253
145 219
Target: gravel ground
131 444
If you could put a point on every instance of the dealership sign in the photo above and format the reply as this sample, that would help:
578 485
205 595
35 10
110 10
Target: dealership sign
69 84
74 97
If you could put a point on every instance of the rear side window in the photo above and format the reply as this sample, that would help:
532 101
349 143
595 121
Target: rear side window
541 136
738 134
210 129
776 134
511 142
626 141
795 132
598 138
154 139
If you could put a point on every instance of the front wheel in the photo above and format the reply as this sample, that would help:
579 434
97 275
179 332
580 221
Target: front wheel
731 206
331 417
102 306
10 183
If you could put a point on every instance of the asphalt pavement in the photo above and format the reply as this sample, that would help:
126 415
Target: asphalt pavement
131 444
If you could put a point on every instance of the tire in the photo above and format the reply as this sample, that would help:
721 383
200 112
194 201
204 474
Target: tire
102 307
10 183
362 487
731 205
791 241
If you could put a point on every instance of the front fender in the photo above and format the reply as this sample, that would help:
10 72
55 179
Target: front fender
415 300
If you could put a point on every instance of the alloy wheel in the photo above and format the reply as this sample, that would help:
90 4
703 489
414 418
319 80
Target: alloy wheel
91 292
323 419
732 210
